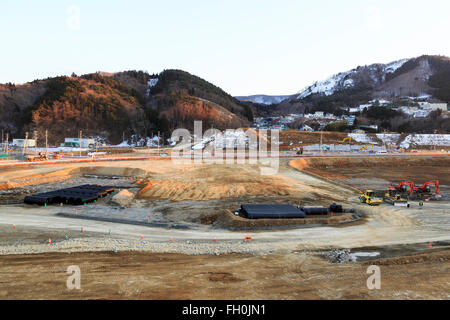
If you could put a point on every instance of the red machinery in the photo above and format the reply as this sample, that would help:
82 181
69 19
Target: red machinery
403 187
425 188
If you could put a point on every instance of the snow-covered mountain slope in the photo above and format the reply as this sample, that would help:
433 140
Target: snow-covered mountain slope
263 99
372 75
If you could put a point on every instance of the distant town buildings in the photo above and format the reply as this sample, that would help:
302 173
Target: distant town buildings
433 106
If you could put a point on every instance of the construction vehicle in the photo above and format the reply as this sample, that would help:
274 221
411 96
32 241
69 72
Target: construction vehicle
366 146
405 188
369 197
424 191
408 189
56 156
393 146
349 139
42 156
393 196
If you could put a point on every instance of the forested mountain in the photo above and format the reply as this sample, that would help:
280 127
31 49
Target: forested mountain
111 105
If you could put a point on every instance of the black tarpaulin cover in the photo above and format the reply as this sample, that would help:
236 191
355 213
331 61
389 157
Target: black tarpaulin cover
271 211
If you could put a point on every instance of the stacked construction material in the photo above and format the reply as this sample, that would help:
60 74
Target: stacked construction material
75 196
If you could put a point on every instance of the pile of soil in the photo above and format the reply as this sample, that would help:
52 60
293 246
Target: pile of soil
211 182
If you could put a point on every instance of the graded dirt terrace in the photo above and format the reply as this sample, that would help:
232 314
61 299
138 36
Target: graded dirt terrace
379 172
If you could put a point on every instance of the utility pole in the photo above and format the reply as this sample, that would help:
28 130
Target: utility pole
24 148
321 134
81 134
46 141
35 141
158 141
6 146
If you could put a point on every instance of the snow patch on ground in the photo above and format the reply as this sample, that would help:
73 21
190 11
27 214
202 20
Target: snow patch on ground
361 137
388 138
426 140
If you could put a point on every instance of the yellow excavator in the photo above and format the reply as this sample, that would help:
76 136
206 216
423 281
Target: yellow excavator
348 139
366 146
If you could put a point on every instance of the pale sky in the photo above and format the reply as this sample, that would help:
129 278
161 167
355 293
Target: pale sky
245 46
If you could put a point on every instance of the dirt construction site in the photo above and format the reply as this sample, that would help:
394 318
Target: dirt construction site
171 230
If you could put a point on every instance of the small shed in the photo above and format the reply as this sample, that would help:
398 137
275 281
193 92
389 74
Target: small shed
271 211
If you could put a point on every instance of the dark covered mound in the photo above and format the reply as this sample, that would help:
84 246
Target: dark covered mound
76 195
271 211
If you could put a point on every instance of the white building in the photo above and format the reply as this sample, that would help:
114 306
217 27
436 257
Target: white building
75 142
22 143
433 106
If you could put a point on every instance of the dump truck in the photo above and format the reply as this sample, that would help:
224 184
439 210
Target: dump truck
392 196
369 197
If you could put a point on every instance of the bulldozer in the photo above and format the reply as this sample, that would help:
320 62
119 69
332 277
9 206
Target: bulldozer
392 196
369 197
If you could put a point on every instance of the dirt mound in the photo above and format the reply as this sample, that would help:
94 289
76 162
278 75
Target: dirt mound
123 198
110 171
211 182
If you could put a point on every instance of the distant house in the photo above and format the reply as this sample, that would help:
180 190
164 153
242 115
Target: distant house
349 119
319 114
305 127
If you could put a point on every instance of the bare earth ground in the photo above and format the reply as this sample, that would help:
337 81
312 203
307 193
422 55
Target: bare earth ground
275 265
130 275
